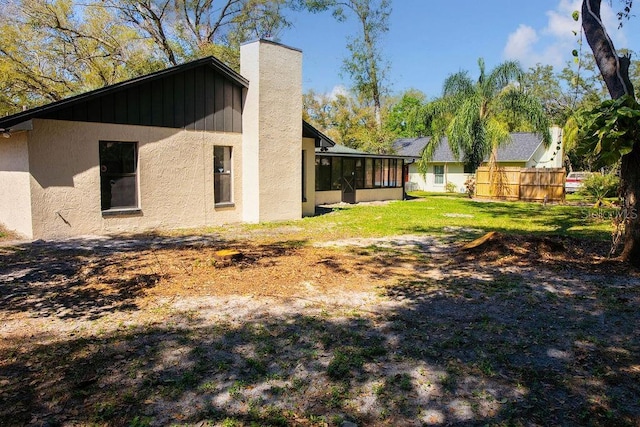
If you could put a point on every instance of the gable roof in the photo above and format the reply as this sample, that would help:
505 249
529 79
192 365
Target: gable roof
321 140
522 147
74 101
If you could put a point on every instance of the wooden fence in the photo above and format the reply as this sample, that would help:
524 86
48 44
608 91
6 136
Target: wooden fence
514 183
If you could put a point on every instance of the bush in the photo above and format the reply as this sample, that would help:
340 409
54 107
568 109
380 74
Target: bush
470 186
451 187
599 186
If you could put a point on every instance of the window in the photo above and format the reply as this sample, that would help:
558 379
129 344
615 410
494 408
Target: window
369 172
377 172
368 177
438 172
222 175
336 173
359 173
118 175
323 173
468 168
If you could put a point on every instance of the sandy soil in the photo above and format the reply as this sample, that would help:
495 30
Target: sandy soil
407 330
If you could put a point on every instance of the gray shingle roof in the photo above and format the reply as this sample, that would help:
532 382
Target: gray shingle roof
410 147
340 149
522 147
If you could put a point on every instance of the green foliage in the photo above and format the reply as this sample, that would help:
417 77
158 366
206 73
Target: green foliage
52 49
599 186
608 131
341 364
348 120
471 113
404 118
365 65
451 187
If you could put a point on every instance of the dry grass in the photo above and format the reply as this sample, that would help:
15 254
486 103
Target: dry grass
394 331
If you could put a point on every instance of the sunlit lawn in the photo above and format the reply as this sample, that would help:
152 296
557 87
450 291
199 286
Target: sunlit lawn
145 335
441 214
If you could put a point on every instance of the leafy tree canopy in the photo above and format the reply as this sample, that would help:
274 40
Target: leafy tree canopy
471 114
50 49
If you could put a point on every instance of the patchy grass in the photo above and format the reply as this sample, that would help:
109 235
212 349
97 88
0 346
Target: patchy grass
536 328
439 214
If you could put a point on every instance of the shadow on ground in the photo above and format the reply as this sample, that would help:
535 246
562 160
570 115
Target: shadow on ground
87 278
478 345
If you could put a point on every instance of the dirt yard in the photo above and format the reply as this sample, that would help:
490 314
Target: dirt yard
402 331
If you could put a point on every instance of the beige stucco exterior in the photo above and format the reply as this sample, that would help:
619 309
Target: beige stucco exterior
175 179
15 191
50 180
272 129
362 195
309 178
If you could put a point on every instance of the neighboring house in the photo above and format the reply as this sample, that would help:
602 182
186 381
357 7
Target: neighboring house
194 145
525 150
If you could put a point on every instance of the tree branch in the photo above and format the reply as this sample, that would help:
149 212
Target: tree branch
614 69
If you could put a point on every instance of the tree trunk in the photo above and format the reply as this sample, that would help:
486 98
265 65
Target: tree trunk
615 72
614 68
630 174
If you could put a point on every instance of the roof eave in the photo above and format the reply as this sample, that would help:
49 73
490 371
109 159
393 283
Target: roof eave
9 121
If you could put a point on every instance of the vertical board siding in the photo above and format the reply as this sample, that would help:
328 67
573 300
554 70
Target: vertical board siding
157 90
108 109
194 99
219 105
209 100
168 118
228 107
133 105
144 101
94 110
189 103
121 108
178 101
528 184
199 98
237 109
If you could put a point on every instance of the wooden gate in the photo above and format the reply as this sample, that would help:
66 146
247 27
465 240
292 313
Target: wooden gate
514 183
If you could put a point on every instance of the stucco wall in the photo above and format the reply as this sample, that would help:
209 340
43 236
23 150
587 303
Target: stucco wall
272 129
308 148
453 172
15 193
374 194
328 197
175 178
362 195
417 180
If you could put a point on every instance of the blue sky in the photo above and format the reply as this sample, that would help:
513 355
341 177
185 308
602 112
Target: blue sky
429 40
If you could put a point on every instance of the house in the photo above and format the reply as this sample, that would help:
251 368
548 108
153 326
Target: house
194 145
525 150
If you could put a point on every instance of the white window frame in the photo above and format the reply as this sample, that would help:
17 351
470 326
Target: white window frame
436 175
222 169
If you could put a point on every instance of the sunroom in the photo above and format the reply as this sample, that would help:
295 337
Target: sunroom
351 176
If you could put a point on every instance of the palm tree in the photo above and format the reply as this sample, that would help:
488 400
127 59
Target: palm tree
473 115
